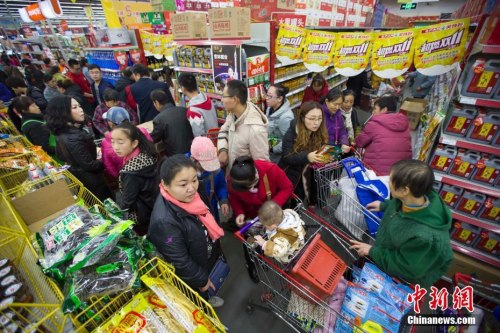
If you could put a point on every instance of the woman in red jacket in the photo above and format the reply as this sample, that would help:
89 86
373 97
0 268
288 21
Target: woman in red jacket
386 137
317 90
251 183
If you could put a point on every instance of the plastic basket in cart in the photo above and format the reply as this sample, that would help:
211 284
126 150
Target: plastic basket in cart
319 268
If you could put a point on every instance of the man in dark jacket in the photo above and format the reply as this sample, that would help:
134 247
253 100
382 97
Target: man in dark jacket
171 126
19 88
356 84
33 75
99 85
138 94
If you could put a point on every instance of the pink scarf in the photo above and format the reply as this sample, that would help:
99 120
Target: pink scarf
197 207
132 155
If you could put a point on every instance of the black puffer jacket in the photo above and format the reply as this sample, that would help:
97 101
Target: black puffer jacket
172 127
181 239
139 187
77 148
293 163
36 130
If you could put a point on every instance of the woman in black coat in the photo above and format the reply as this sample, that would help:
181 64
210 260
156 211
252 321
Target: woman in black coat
75 146
182 227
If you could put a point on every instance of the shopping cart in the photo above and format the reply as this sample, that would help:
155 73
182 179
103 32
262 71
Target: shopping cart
339 207
287 290
485 296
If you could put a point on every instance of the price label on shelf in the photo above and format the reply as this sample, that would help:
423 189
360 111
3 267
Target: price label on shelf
468 100
447 140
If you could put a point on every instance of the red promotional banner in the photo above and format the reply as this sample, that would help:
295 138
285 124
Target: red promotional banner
290 18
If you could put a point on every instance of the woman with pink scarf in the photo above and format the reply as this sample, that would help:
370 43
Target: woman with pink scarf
182 227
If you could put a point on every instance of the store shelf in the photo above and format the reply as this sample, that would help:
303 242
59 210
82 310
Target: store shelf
210 42
109 70
117 48
338 83
289 77
32 52
158 69
296 91
466 144
476 254
296 105
491 49
289 64
489 225
331 76
489 103
467 184
194 70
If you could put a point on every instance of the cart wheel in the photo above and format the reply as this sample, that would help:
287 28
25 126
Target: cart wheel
249 309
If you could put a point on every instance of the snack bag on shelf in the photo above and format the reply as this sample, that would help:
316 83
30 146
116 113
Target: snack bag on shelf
183 310
63 236
114 273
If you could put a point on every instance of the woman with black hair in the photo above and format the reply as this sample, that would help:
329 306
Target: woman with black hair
251 183
74 145
137 179
350 115
279 114
182 227
69 88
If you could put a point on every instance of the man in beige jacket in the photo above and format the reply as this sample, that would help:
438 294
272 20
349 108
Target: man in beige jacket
245 131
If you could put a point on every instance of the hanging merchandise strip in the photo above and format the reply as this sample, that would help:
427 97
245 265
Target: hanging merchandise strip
289 43
440 47
318 51
352 53
392 53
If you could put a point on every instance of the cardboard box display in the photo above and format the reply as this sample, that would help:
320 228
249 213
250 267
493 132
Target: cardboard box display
489 242
38 207
465 233
413 109
231 22
464 264
189 26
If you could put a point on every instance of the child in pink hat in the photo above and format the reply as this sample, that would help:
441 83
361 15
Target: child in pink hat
210 174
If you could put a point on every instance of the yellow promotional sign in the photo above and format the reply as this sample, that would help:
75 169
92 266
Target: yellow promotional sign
318 51
126 13
289 43
352 52
392 53
112 18
440 47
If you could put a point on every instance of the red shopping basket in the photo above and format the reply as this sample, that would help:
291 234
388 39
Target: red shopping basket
319 268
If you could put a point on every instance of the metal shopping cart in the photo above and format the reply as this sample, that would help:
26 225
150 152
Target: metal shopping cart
339 207
295 292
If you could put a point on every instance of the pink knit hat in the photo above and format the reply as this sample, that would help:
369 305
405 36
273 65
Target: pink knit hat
204 151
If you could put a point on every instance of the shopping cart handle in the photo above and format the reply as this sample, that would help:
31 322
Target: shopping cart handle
350 163
248 225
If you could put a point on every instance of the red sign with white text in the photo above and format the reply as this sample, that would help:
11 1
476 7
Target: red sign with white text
258 65
290 19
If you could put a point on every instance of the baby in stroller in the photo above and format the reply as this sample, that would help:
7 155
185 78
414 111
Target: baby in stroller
285 232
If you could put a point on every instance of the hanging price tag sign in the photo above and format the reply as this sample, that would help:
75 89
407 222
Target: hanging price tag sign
352 53
392 53
440 47
318 51
289 43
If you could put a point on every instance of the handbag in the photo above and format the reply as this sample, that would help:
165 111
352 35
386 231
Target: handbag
218 275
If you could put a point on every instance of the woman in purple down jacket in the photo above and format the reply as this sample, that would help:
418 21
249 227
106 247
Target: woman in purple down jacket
335 126
386 137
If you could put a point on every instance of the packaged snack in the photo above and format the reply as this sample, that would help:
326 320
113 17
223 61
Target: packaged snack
114 273
63 236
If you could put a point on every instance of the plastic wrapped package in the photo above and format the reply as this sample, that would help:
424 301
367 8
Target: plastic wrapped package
61 237
114 273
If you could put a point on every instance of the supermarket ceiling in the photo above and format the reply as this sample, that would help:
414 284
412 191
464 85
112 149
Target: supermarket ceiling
73 13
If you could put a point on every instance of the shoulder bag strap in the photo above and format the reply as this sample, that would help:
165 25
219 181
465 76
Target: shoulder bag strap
267 187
